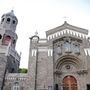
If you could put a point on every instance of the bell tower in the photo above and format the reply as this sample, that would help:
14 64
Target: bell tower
9 21
9 58
7 29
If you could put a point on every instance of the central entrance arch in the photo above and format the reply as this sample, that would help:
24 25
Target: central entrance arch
69 83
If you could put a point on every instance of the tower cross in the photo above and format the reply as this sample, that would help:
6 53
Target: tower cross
65 18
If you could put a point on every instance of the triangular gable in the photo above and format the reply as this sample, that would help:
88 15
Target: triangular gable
67 26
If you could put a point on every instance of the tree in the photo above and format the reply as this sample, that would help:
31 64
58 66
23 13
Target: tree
22 70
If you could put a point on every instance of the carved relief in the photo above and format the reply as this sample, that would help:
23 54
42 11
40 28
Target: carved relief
76 47
67 45
59 49
68 67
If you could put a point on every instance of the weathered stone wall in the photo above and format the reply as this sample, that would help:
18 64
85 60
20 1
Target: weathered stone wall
3 67
10 80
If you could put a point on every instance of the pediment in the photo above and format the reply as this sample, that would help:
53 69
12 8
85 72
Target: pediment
67 26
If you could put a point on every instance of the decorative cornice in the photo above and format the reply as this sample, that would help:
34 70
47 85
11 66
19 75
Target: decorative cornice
66 32
82 72
67 26
56 71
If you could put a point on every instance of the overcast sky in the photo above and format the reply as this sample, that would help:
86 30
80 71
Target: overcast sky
42 15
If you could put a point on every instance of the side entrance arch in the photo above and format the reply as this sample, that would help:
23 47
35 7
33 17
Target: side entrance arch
70 83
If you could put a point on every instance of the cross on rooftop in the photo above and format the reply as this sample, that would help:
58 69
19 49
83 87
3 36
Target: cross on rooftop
65 18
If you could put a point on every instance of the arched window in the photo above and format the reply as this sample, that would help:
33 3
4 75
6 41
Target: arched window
6 40
16 86
13 21
8 20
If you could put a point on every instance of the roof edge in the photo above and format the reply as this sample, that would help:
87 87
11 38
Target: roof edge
67 26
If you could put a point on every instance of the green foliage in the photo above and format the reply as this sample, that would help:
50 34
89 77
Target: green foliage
22 70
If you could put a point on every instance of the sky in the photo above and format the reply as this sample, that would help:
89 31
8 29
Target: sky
42 15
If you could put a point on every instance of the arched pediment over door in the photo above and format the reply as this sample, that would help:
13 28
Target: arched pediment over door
67 62
67 66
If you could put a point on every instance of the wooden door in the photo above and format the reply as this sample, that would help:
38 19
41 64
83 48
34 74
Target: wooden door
69 83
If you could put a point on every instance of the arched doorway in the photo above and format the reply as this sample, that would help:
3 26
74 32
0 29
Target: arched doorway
69 83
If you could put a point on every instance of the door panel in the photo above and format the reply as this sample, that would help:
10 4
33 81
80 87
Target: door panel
69 83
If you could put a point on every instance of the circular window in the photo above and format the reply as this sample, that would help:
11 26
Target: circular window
68 66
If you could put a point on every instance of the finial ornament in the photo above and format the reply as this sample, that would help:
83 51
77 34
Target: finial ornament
65 18
12 11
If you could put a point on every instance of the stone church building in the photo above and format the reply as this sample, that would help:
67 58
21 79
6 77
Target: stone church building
61 61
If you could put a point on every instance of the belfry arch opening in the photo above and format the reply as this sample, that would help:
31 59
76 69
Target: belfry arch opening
6 40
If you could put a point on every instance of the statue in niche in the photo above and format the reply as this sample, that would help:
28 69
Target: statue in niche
67 45
58 49
76 47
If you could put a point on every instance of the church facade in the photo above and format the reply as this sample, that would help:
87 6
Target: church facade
61 61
